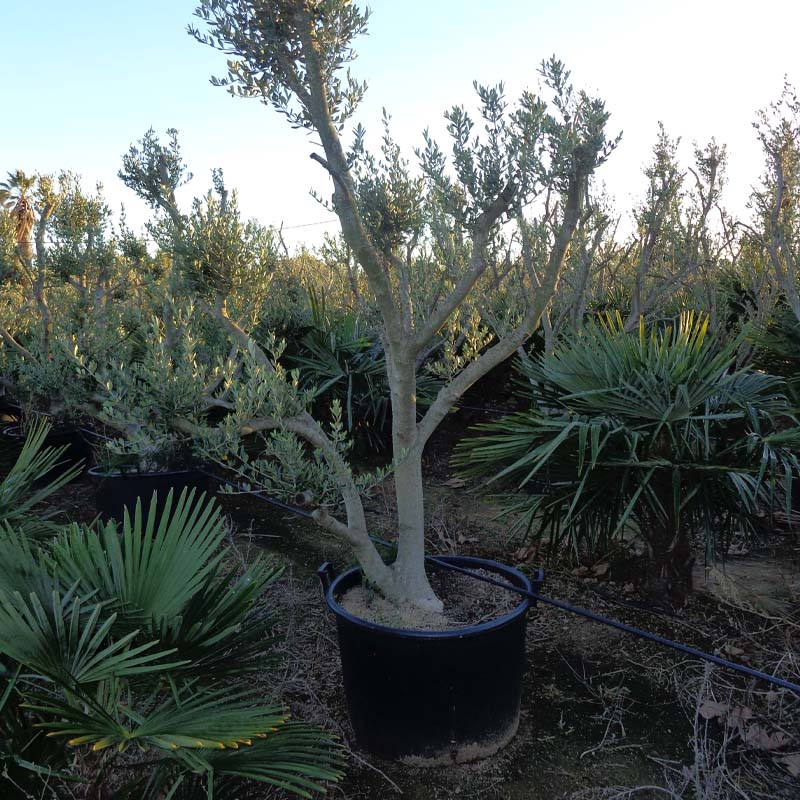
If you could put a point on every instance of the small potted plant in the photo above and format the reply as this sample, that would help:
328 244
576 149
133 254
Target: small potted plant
141 451
146 462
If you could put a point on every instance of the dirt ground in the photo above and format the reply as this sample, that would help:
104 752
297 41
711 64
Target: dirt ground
604 715
603 712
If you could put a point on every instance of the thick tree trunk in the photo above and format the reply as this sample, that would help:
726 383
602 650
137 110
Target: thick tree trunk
409 567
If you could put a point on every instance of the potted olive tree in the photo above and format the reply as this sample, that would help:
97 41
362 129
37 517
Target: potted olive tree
432 244
137 393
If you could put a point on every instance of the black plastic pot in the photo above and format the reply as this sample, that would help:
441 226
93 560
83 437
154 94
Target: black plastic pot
10 412
433 696
113 491
77 449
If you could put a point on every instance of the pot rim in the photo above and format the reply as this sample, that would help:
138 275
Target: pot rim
455 633
13 430
100 472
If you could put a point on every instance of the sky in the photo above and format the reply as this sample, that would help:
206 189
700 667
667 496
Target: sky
83 80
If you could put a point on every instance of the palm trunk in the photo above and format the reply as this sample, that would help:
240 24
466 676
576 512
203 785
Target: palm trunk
670 570
670 556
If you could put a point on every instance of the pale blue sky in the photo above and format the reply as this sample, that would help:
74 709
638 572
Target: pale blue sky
82 80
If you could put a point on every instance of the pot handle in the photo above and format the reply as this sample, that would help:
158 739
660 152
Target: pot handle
326 574
537 581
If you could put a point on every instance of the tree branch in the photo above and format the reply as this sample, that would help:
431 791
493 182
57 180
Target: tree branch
478 265
11 341
345 204
498 353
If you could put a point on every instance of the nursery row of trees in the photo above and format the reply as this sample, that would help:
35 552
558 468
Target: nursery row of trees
206 334
68 268
656 391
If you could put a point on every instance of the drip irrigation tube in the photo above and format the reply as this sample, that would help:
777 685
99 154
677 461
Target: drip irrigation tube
538 582
260 495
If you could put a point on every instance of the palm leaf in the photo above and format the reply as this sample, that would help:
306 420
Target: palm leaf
296 758
634 430
18 495
157 563
69 639
162 575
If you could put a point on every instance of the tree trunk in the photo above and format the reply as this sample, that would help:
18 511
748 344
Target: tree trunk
409 567
669 569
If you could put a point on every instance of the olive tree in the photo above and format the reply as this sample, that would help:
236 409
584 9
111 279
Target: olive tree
431 241
63 282
675 243
776 201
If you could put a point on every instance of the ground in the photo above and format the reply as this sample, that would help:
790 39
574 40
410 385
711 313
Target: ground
601 709
603 712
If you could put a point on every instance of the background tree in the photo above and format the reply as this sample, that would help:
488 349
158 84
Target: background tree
776 202
15 197
66 294
675 243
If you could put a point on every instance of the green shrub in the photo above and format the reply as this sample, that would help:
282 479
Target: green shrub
131 645
652 433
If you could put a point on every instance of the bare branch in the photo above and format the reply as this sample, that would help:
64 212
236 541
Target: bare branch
478 265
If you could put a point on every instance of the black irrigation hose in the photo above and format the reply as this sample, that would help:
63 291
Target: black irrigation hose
581 612
621 626
483 409
260 495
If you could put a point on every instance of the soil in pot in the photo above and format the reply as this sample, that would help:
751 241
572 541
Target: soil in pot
467 601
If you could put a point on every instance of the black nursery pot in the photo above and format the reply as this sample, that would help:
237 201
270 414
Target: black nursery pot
10 412
113 491
77 449
433 696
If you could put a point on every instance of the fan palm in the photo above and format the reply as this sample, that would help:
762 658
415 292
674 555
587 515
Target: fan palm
339 359
652 433
20 492
778 347
128 643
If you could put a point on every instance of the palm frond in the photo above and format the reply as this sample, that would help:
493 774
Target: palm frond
70 639
296 757
162 575
155 563
655 429
18 494
128 638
